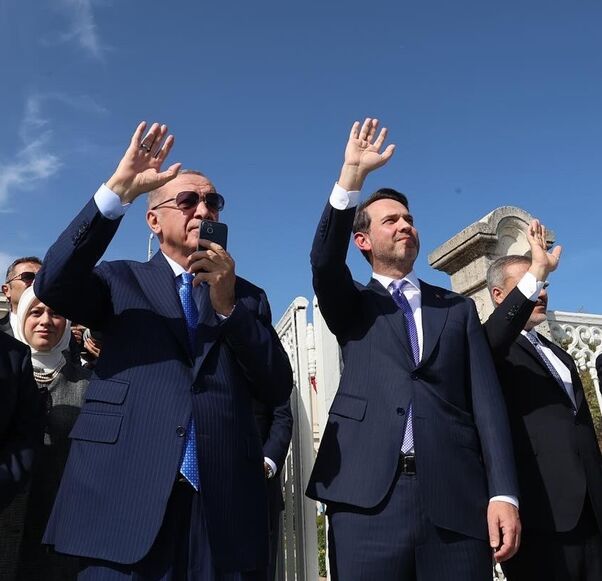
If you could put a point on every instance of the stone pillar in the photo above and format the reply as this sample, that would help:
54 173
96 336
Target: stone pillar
467 256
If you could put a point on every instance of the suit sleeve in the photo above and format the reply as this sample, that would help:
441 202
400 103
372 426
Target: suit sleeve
259 352
337 294
67 280
507 321
280 434
490 415
24 433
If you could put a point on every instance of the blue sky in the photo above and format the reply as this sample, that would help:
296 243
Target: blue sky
490 104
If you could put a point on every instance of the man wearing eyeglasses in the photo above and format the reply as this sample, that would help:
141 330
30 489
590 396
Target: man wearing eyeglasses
165 478
19 276
557 456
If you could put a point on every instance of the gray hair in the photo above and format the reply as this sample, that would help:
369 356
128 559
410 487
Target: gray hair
496 273
153 195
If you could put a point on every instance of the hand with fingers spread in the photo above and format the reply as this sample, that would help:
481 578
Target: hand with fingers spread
542 261
139 170
363 153
215 266
504 529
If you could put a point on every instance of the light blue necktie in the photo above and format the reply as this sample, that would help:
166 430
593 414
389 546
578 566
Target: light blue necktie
410 324
189 466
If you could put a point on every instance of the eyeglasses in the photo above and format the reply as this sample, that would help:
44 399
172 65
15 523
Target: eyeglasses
187 200
546 284
26 277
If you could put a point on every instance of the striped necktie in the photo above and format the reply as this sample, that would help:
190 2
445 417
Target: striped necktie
410 326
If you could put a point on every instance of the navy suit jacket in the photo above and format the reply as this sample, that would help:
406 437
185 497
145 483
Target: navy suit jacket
461 436
557 455
127 443
276 429
21 417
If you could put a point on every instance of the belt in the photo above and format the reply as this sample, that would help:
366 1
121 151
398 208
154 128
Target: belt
407 463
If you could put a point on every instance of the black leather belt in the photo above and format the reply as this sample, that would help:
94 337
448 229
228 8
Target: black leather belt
407 463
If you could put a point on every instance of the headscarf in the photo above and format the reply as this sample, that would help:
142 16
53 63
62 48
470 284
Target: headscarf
48 362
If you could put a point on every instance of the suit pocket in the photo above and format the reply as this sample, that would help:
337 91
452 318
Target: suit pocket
349 406
97 427
107 391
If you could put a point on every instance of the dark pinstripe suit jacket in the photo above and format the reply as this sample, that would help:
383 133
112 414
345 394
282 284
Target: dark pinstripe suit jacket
462 441
128 440
21 417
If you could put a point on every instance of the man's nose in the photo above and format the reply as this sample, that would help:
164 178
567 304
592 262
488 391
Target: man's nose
202 211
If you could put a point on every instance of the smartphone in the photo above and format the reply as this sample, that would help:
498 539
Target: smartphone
214 232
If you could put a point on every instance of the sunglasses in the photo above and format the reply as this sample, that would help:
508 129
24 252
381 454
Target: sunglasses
188 200
26 277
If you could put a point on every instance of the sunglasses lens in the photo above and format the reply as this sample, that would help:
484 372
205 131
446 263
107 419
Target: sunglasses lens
187 200
28 277
214 201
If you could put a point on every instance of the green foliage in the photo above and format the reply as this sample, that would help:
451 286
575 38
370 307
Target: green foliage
590 394
321 523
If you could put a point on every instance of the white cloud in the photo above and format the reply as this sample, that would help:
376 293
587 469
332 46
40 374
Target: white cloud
83 29
34 161
5 261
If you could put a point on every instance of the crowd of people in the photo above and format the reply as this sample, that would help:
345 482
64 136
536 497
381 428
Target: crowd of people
146 416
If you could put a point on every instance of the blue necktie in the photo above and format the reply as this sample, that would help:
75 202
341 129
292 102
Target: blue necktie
410 324
534 340
189 466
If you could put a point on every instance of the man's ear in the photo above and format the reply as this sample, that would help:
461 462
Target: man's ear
362 241
5 290
497 294
153 222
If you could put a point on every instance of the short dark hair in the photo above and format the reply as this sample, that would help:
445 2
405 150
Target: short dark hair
11 268
361 222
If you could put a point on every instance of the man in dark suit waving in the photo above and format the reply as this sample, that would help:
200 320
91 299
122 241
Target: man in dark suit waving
557 456
416 458
165 478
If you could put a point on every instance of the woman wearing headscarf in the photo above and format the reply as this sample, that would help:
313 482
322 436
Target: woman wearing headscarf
62 383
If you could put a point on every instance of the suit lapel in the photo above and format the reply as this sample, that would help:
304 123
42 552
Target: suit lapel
434 316
207 330
156 279
528 347
570 364
393 315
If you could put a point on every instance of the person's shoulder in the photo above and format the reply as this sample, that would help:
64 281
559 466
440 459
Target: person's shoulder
8 343
442 293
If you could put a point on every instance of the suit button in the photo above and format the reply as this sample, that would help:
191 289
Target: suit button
400 411
196 389
180 431
414 376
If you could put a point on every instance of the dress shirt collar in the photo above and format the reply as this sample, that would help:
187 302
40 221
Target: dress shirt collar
387 280
177 269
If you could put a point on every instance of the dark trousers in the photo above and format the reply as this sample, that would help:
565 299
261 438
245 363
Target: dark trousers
181 551
396 541
570 556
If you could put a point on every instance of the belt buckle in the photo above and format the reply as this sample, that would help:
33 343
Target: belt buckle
408 463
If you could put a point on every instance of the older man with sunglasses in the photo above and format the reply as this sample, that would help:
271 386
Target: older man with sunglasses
165 479
19 276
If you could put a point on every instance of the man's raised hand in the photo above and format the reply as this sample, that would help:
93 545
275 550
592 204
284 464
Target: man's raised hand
139 170
363 153
542 261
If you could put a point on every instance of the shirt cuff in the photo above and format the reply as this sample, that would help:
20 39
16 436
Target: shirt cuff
341 199
510 499
271 464
109 203
530 286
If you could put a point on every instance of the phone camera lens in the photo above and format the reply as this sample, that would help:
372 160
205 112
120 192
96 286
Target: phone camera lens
209 230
